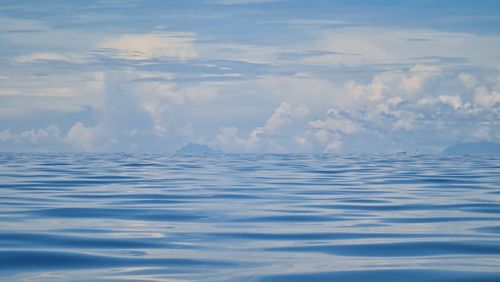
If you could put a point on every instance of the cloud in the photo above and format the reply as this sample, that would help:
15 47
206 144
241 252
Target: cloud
85 138
378 46
50 57
47 134
248 53
468 80
284 116
21 25
454 101
301 80
35 96
336 123
330 130
159 45
49 137
485 98
79 137
407 103
285 121
407 107
390 85
6 135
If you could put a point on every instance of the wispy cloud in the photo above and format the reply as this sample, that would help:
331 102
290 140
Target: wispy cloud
160 45
247 75
48 57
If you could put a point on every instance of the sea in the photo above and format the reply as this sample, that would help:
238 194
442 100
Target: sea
271 217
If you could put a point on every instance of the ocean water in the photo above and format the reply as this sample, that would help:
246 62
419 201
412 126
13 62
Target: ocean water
122 217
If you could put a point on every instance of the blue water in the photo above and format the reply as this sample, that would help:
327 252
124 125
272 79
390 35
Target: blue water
114 217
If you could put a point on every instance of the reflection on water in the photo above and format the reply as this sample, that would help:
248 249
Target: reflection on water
249 217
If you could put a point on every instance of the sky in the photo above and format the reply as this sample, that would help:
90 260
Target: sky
248 76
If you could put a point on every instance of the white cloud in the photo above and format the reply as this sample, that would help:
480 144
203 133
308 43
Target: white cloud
59 92
283 121
284 116
336 123
160 99
20 25
454 101
399 102
334 146
256 54
229 141
310 114
43 136
363 45
154 45
404 120
468 80
427 101
48 56
391 84
329 131
48 134
6 135
79 137
484 98
85 138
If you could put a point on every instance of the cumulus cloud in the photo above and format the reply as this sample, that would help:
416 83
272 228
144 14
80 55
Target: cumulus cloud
392 99
284 122
408 103
79 137
329 131
468 80
155 45
454 101
284 116
140 112
85 138
6 135
485 98
47 137
391 83
299 83
335 122
48 134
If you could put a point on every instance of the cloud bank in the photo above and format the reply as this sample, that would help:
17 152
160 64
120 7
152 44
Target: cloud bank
149 77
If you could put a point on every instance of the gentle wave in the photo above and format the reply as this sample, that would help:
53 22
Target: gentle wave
112 217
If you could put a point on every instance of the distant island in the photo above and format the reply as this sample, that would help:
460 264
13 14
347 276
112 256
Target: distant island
193 149
482 147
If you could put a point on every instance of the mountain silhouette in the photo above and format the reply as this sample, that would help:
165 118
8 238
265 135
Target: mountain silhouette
195 149
481 147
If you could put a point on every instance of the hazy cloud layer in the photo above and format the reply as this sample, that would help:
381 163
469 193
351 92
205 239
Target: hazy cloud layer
246 76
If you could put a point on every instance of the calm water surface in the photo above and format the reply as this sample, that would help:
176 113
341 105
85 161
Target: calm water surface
114 217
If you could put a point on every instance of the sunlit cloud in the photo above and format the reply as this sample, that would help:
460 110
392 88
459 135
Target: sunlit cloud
155 45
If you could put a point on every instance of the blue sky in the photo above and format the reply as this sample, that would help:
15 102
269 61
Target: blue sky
251 76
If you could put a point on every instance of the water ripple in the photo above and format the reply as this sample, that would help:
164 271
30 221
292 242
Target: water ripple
153 217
